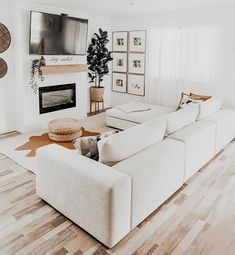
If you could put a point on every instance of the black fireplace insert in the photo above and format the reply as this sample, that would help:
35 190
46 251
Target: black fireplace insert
56 98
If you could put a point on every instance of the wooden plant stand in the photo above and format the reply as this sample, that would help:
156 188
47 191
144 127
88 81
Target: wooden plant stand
97 106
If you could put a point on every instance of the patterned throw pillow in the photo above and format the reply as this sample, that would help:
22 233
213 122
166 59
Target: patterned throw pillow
200 97
88 147
187 99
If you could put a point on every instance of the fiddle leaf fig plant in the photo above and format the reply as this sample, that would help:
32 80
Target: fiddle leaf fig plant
98 57
36 71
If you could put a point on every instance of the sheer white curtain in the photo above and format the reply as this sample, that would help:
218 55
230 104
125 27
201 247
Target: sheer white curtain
183 59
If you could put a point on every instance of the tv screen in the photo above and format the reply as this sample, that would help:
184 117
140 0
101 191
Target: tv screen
52 34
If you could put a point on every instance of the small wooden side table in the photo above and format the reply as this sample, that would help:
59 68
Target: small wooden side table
97 105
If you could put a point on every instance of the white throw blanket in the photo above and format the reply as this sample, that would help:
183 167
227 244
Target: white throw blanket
133 107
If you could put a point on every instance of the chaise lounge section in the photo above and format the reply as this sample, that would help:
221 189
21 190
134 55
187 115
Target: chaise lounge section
130 114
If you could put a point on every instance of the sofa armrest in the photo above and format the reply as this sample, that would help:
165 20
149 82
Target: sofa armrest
93 195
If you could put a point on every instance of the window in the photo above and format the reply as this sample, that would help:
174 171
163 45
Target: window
189 53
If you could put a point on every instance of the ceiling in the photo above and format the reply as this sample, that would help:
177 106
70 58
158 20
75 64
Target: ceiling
124 7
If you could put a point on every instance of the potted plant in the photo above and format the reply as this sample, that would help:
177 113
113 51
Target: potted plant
98 57
36 70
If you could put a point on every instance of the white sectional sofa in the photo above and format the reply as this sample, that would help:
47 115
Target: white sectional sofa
108 202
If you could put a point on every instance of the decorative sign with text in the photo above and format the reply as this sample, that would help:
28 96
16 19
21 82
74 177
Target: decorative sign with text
60 60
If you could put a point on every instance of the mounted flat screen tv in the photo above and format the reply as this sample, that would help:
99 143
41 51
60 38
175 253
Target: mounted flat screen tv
52 34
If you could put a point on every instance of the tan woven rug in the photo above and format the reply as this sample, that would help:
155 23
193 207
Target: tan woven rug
36 142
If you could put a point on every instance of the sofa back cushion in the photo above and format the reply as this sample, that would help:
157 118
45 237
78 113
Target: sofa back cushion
181 118
209 107
131 141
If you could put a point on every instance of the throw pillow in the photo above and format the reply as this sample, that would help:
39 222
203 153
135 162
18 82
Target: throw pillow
88 146
187 99
180 119
200 97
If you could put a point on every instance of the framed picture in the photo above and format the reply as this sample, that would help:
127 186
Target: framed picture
120 62
136 63
119 82
136 84
120 41
137 41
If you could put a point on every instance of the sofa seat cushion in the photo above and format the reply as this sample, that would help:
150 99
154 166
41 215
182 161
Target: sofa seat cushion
131 141
123 120
199 139
225 127
209 107
156 174
181 118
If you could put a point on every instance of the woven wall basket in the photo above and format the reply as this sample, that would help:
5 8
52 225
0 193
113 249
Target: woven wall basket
5 38
3 68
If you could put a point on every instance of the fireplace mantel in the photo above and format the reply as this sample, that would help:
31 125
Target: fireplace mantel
61 69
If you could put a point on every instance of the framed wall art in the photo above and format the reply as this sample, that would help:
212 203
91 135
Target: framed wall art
119 82
137 41
120 41
119 62
136 63
136 84
129 62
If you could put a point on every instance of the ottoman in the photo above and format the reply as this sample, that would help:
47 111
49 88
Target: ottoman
64 130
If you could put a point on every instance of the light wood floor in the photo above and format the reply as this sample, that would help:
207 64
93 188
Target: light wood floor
199 219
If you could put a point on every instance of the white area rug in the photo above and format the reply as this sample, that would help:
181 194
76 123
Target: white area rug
8 145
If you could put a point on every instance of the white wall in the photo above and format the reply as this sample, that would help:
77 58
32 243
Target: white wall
7 85
27 104
16 17
222 15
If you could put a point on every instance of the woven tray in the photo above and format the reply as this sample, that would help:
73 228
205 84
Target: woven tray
5 38
3 68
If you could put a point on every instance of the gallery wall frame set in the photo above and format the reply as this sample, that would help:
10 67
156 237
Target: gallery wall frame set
5 42
129 58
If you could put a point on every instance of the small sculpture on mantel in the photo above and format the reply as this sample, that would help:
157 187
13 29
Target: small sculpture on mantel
42 61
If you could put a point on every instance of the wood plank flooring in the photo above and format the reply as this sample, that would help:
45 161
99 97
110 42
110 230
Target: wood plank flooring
199 219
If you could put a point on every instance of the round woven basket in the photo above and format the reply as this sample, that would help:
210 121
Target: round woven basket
5 38
3 68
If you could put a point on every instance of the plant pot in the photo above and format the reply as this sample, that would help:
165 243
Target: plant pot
97 93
